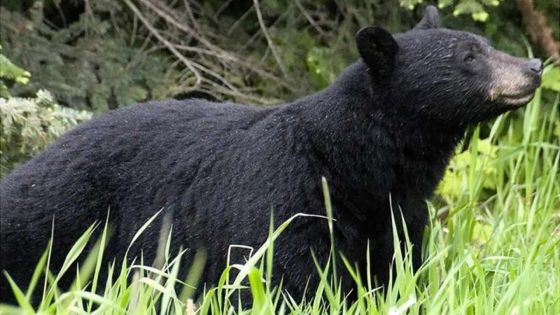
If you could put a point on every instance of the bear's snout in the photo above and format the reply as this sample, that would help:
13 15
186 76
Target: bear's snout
514 80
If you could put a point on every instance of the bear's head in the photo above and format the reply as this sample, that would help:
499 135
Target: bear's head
445 76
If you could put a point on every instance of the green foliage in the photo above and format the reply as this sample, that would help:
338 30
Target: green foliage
455 181
87 63
9 71
30 124
551 79
476 8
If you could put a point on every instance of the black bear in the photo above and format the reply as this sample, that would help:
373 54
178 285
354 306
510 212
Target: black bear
381 134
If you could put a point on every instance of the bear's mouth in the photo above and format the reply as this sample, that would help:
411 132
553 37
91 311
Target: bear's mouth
516 100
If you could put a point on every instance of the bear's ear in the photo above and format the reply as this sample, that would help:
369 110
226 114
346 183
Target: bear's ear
430 19
378 49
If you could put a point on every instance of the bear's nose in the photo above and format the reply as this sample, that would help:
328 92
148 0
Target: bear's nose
536 66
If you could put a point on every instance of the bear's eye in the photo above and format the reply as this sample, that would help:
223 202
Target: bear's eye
469 58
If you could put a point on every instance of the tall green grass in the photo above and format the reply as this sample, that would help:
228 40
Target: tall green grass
493 247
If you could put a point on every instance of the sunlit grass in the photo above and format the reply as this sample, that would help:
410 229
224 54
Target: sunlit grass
493 248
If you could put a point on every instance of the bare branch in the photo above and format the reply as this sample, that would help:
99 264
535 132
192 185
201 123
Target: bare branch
309 18
269 40
190 65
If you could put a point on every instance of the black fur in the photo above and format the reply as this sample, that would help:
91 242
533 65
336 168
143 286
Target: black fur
219 168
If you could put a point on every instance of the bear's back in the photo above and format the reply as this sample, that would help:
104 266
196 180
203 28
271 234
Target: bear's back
138 146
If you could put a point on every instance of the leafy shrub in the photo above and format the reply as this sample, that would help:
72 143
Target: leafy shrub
30 124
10 72
87 54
